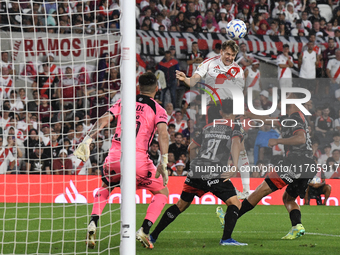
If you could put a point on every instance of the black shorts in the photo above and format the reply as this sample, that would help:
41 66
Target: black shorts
316 191
198 187
109 184
294 171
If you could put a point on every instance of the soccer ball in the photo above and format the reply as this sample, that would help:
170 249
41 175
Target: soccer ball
236 29
316 180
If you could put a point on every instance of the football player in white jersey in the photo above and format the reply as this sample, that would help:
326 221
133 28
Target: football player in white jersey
221 73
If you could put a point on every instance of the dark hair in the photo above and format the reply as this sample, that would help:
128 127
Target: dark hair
172 125
227 106
230 44
218 46
147 82
178 133
154 142
286 46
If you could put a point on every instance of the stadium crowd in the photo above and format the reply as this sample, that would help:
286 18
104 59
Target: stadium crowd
39 135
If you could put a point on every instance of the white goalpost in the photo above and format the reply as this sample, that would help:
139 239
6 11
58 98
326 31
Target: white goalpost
67 63
128 182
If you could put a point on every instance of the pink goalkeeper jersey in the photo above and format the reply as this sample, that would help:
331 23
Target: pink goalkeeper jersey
148 114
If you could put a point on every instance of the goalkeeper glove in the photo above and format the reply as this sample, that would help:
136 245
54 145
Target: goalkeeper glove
83 150
162 169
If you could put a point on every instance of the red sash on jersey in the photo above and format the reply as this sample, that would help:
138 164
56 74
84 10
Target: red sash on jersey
8 86
337 73
49 81
283 70
181 127
252 84
79 167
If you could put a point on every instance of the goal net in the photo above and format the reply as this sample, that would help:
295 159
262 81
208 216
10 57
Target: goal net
60 71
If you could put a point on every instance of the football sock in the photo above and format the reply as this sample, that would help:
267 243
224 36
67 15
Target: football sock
156 206
295 217
169 216
94 218
244 172
230 219
246 206
100 200
146 226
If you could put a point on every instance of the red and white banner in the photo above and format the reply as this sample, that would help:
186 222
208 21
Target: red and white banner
64 47
81 189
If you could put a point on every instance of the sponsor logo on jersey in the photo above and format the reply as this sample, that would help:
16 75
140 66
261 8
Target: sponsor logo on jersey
217 67
209 183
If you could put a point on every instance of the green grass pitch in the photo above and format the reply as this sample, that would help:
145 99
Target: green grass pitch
197 231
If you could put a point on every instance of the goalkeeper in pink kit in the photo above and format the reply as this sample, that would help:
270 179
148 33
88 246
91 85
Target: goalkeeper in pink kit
149 117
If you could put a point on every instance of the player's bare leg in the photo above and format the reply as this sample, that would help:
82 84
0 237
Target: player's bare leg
99 204
295 217
243 163
155 208
168 217
327 190
261 191
230 220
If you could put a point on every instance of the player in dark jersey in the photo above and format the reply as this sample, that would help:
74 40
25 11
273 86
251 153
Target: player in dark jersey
209 172
295 170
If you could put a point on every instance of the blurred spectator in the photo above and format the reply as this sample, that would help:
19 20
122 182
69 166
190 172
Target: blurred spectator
305 22
189 131
16 152
215 52
45 110
337 122
287 24
245 14
179 123
159 21
298 29
224 18
280 8
194 59
209 27
6 83
169 66
328 153
15 104
274 30
315 15
243 58
190 12
291 15
46 82
324 125
315 148
264 98
285 63
154 152
329 53
62 165
4 62
333 72
252 77
336 156
308 61
103 66
7 160
32 141
317 29
99 104
170 112
180 169
335 145
177 148
38 162
209 16
98 154
69 89
15 17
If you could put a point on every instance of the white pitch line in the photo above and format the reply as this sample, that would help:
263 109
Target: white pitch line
249 232
321 234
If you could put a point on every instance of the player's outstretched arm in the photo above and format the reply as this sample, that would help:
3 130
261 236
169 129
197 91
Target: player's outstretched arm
83 150
266 119
297 139
188 81
163 140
